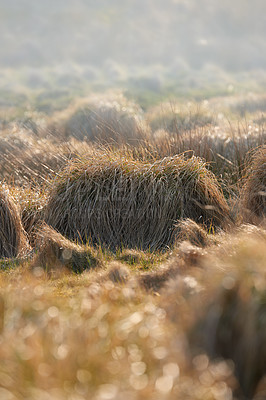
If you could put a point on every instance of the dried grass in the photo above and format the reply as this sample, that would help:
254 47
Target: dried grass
236 316
254 190
179 117
224 312
189 230
156 280
121 202
115 120
55 251
117 273
29 161
13 241
31 202
225 149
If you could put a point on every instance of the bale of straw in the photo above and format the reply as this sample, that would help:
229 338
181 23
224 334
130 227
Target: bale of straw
108 121
123 202
55 251
13 241
254 190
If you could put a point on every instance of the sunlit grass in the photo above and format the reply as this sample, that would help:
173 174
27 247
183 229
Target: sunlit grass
82 320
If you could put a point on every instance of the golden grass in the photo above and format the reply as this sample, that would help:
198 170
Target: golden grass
118 202
27 160
254 191
111 120
104 342
225 149
96 335
178 117
187 322
225 309
189 230
30 201
55 251
13 241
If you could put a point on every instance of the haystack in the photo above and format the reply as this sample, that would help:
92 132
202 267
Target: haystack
254 191
121 202
108 121
13 241
55 251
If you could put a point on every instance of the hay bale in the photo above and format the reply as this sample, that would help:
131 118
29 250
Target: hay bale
55 251
118 121
13 241
135 204
254 190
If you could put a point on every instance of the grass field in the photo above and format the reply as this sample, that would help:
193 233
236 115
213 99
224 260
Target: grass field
133 249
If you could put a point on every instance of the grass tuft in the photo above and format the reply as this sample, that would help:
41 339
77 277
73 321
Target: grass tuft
128 203
108 120
189 230
254 191
13 241
55 251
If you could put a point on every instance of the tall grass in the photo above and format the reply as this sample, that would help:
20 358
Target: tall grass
225 151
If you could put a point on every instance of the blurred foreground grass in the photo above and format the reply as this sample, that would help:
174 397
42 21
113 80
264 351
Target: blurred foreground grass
93 336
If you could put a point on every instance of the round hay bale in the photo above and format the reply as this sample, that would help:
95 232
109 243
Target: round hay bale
108 121
121 202
13 241
254 190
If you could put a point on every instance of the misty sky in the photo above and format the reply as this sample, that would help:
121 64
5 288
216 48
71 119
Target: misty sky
172 33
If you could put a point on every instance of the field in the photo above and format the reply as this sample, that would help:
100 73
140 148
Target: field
133 249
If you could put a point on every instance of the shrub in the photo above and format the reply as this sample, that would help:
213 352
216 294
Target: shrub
254 190
123 202
13 240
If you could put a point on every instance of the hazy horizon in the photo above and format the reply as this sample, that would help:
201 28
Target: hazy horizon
131 33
